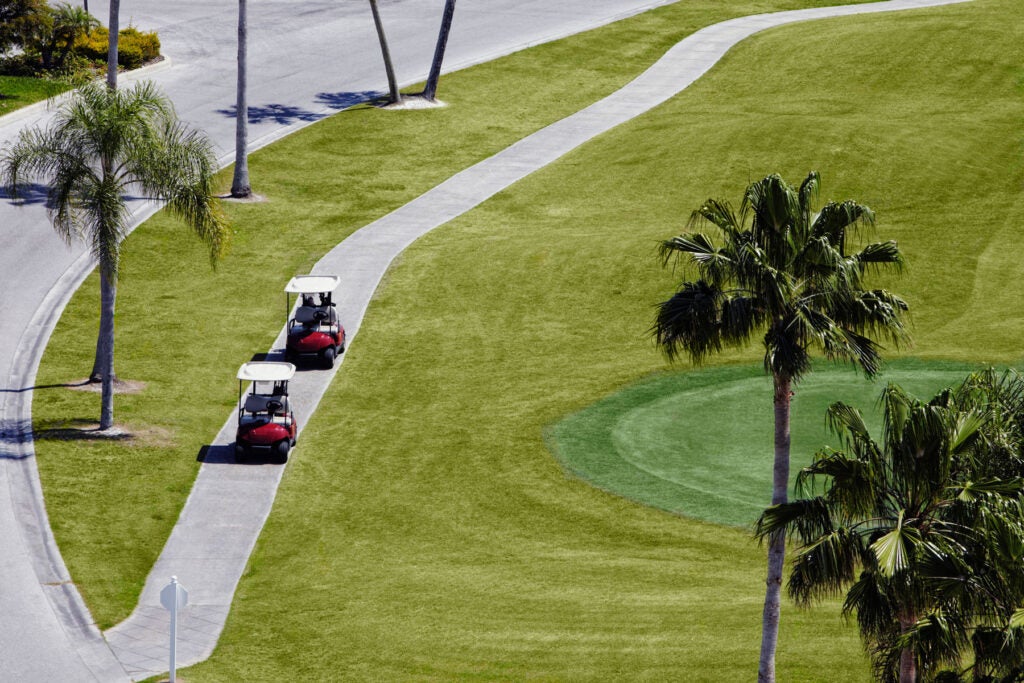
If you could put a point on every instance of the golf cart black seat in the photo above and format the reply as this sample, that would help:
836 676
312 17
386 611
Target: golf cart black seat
255 403
258 404
305 315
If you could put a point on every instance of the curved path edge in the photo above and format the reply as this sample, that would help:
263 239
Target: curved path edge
210 545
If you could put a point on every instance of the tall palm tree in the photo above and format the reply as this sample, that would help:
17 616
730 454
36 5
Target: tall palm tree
927 545
240 181
783 271
113 24
100 144
394 97
430 89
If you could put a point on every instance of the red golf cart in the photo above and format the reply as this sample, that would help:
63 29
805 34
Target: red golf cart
313 331
266 423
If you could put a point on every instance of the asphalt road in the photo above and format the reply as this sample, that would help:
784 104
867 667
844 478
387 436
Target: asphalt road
307 59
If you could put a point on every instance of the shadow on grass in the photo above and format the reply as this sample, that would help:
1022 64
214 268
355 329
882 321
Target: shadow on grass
65 385
78 429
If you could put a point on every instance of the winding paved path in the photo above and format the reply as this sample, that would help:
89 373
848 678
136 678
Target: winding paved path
218 527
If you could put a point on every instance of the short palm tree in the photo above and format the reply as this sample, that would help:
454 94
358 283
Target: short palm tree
926 545
99 145
782 271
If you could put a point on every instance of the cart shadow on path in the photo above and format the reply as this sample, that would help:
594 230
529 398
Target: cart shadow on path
224 454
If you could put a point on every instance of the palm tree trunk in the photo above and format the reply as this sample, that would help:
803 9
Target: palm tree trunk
240 183
395 96
112 25
430 90
908 665
105 346
777 543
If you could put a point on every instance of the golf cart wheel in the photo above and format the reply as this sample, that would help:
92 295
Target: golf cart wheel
241 453
341 347
281 449
328 357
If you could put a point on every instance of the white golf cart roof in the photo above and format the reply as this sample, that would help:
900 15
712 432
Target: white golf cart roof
312 284
265 371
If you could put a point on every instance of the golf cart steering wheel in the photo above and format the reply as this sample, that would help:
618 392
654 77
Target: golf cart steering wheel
274 407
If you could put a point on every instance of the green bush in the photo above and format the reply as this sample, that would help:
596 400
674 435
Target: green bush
134 48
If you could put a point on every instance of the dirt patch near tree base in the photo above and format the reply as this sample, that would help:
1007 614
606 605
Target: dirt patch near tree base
88 430
413 102
121 386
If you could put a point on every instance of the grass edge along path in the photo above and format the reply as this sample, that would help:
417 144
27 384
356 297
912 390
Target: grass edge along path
425 533
112 504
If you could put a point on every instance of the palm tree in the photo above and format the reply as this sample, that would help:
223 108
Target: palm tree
927 545
69 23
430 90
394 97
787 275
113 26
100 144
240 181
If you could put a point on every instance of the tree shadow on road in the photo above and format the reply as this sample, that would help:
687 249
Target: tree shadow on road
344 100
28 194
282 114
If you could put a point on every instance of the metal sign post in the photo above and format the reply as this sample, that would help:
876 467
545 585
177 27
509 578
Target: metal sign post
174 597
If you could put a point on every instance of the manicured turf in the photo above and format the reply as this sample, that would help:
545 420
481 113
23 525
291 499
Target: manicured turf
675 441
17 92
113 505
423 530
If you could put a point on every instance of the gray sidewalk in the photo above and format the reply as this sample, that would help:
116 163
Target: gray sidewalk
229 503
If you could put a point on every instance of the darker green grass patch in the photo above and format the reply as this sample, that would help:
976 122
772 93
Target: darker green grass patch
18 91
700 443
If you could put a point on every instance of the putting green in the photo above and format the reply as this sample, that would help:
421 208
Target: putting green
700 443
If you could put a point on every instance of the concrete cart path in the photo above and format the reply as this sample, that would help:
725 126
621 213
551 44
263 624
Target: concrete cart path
224 514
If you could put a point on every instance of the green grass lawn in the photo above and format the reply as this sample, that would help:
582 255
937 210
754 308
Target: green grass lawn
673 441
423 531
112 505
17 91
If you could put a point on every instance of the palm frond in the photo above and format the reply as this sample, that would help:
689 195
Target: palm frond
878 254
895 550
689 322
835 220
